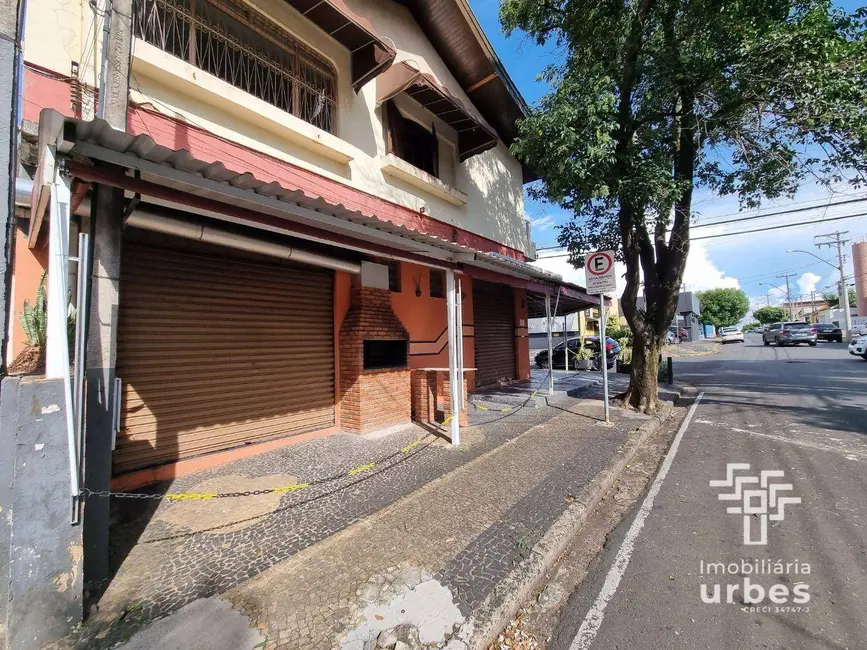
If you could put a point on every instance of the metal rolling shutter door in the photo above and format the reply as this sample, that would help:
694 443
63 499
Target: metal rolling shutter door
494 314
216 352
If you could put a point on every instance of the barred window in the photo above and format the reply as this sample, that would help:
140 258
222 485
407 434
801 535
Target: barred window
243 48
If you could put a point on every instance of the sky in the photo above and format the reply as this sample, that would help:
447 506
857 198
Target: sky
744 261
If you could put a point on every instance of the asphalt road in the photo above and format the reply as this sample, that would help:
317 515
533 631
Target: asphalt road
802 411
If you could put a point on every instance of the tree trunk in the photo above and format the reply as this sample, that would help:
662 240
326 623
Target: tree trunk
643 391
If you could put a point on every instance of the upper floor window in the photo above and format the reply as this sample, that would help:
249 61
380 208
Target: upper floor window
243 48
409 140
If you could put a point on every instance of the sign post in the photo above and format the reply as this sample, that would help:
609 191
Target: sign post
601 280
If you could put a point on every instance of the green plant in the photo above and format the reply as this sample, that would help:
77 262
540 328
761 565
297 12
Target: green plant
626 355
34 318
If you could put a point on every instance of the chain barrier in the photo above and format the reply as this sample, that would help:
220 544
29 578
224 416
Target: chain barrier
294 487
355 471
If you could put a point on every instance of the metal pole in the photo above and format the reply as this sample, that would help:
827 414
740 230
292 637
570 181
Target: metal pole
454 424
604 357
459 317
550 345
844 292
566 338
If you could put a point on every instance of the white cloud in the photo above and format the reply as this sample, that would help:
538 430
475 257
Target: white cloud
701 273
541 224
807 283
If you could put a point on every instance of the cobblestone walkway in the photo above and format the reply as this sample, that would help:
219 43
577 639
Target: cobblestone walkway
310 567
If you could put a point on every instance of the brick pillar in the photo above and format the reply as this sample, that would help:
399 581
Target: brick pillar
463 418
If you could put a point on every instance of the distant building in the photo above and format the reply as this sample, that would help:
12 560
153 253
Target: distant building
687 315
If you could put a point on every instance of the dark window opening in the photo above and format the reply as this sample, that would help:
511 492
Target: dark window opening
394 277
410 141
437 284
243 48
385 354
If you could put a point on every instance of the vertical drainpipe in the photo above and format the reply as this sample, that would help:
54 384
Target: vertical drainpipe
459 311
454 382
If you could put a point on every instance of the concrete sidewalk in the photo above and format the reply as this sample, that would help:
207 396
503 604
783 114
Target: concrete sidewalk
435 547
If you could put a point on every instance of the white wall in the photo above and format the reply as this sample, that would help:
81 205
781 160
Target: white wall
56 31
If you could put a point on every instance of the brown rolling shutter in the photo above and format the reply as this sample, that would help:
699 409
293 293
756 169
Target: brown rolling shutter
216 352
494 316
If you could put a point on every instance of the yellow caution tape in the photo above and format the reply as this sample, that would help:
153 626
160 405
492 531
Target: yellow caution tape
192 496
292 488
508 409
360 469
410 446
482 407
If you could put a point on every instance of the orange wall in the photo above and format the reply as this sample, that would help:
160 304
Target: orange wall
27 269
426 320
522 337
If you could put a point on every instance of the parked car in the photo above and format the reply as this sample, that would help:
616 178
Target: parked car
858 347
731 335
790 333
828 332
612 351
860 330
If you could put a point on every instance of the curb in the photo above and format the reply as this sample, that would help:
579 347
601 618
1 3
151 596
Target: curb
519 586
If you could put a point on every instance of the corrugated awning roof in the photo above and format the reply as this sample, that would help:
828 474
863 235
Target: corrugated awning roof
474 134
177 169
370 54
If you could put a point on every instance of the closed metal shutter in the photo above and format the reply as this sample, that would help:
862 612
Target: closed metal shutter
216 352
494 316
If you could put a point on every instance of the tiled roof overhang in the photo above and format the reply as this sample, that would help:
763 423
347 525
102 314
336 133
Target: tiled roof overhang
371 55
101 154
474 135
460 41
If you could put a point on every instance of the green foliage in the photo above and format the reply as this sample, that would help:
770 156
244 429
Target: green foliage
620 334
651 99
723 307
767 315
753 325
34 318
833 298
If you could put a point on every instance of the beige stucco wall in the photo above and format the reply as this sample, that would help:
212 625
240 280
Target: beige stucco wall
491 181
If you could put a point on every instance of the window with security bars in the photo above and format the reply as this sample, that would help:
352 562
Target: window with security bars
243 48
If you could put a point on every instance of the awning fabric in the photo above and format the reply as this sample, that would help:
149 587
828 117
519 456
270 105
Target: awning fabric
371 55
474 135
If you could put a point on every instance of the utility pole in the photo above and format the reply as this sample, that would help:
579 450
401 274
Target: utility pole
836 239
813 298
788 292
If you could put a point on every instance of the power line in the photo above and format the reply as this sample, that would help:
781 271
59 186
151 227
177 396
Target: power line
768 215
780 213
777 227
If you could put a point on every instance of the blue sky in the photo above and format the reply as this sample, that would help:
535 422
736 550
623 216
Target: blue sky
744 260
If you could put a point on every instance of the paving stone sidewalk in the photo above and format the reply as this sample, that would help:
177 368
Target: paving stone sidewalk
698 348
410 551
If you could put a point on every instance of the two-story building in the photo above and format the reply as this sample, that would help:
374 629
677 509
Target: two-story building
299 216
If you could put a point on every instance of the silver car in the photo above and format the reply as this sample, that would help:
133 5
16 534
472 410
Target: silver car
790 333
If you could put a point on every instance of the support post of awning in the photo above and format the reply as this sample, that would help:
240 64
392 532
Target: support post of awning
550 345
566 339
459 318
453 417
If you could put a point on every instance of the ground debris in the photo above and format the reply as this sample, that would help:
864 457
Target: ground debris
515 636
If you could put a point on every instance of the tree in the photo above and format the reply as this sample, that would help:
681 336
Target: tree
723 307
752 325
651 99
833 298
769 314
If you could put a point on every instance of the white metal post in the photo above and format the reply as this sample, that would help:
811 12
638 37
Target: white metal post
454 381
56 362
459 322
550 346
566 339
604 356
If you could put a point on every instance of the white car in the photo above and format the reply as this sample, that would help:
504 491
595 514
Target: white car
858 347
731 335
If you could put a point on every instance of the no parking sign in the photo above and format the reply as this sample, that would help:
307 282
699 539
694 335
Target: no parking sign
600 273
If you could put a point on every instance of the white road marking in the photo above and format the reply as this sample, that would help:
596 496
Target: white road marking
593 621
812 445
